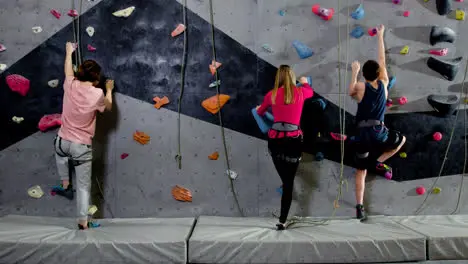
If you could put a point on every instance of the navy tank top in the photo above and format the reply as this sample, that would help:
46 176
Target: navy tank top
372 105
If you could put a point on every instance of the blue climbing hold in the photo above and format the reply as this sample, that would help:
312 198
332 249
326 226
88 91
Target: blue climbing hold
264 122
280 190
282 12
358 13
391 82
322 103
357 32
302 49
319 156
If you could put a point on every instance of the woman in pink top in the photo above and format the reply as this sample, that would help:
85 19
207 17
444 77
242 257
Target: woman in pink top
285 136
73 151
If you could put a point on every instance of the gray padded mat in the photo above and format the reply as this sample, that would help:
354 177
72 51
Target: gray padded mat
27 239
254 240
447 235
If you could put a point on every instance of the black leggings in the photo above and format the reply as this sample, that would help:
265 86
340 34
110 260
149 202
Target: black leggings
286 154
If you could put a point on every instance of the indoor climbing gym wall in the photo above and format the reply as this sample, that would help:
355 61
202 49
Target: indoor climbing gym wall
167 150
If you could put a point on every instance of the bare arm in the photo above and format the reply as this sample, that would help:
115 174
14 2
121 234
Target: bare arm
68 60
108 97
354 81
382 61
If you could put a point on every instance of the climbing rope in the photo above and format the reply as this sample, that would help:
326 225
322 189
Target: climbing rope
76 33
452 132
226 154
182 86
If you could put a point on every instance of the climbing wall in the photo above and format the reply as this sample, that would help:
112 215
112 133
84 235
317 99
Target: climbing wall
145 61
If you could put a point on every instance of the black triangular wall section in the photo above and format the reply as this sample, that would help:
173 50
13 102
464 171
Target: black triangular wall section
145 61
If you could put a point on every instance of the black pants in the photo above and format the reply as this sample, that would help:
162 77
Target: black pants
286 153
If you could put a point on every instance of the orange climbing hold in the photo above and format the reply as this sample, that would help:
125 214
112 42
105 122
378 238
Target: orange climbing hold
141 137
181 194
214 66
214 156
211 104
336 204
160 101
178 30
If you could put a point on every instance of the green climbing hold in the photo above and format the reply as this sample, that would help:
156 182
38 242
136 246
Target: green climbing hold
403 155
436 190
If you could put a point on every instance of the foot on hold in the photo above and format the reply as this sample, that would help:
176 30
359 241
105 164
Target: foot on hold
448 69
383 170
90 225
444 7
67 193
360 212
280 227
442 34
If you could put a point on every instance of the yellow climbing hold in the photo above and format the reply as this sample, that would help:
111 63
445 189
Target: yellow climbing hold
436 190
403 155
124 12
460 14
404 50
92 210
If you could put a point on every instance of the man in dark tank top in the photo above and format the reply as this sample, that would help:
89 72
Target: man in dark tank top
375 143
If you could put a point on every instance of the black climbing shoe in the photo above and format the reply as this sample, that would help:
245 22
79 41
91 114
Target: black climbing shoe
67 193
444 105
360 212
444 7
280 227
448 69
442 34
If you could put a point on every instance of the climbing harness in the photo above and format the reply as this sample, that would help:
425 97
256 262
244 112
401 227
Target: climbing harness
228 166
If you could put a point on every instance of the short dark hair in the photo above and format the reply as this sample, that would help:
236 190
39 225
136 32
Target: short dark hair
371 70
89 71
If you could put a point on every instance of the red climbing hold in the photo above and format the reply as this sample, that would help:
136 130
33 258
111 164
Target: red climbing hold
420 190
372 32
55 13
437 136
324 13
402 100
389 102
439 52
124 155
49 121
73 13
91 48
337 136
18 83
406 13
2 48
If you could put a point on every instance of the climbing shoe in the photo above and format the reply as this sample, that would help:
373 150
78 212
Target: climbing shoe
360 212
59 190
383 170
280 227
90 225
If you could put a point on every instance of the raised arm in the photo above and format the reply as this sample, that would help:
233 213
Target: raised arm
382 62
108 97
261 109
353 85
68 59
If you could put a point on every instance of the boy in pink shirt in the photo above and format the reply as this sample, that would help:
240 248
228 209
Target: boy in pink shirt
73 149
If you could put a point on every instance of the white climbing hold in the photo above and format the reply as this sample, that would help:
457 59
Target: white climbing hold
3 67
267 48
215 83
35 192
232 174
17 120
53 83
37 29
124 12
75 69
90 31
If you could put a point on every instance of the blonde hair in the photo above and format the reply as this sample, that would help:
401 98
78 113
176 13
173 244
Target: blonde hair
285 78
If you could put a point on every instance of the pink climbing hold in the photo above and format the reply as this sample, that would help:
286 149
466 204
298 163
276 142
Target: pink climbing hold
49 121
439 52
123 155
396 2
2 48
55 13
389 102
406 13
372 32
420 190
72 13
388 175
18 83
437 136
402 100
337 136
91 48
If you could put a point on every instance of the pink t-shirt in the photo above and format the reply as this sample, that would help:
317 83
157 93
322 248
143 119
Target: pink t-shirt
287 113
80 103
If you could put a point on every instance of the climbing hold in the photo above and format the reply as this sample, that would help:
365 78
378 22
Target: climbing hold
442 34
420 190
212 105
2 67
321 102
444 105
389 102
404 50
282 12
215 83
55 13
35 192
372 32
181 194
141 137
391 82
2 48
448 69
439 52
18 83
159 102
214 66
232 174
388 175
92 210
336 204
358 13
178 30
357 32
91 48
437 136
53 83
460 14
436 190
302 49
280 190
338 137
124 12
324 13
214 156
75 68
90 31
123 155
403 155
50 121
319 156
17 120
37 29
267 48
72 13
406 13
402 100
265 122
396 2
444 6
